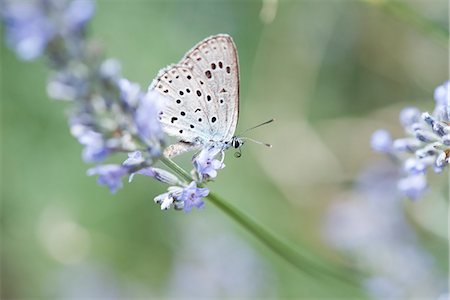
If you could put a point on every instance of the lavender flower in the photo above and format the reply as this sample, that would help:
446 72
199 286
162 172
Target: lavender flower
206 164
183 198
95 150
27 28
370 225
109 175
147 121
427 144
192 196
32 25
110 114
381 141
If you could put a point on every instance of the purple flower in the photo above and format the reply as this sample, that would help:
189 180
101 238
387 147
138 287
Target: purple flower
413 186
109 175
206 164
147 120
409 116
129 92
442 98
171 197
28 29
94 145
425 146
134 158
32 25
381 141
78 13
192 196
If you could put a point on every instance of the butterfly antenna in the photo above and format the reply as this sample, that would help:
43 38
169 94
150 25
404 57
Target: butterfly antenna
257 142
259 125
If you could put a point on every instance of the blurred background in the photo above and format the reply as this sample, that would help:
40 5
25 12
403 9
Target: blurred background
329 72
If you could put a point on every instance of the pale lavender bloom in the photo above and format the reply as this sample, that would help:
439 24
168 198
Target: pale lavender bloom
134 158
425 146
192 196
28 29
369 224
94 146
129 92
381 141
171 197
413 186
442 98
32 25
158 174
409 116
78 13
206 164
184 198
147 120
209 265
109 175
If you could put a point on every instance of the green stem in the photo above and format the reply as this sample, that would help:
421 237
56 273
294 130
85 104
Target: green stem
409 15
301 261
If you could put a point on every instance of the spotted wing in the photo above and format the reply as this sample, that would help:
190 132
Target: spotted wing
202 92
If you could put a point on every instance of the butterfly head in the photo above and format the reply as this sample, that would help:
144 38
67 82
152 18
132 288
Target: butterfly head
237 142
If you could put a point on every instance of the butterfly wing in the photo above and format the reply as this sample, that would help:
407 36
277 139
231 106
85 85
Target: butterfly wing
202 92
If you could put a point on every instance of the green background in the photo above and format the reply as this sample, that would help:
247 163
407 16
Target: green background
329 72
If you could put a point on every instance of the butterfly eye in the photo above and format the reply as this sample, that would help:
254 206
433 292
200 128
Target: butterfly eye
236 144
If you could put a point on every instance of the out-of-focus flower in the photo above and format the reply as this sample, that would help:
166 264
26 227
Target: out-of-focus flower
206 164
427 144
109 175
442 98
381 141
129 92
240 273
110 114
369 224
32 25
147 121
413 186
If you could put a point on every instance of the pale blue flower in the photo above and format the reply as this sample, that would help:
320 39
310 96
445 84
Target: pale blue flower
426 145
413 186
109 175
409 116
32 25
28 29
192 196
442 98
78 13
147 121
134 158
206 164
129 92
381 141
172 197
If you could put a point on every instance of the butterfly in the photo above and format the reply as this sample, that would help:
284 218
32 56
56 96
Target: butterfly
201 95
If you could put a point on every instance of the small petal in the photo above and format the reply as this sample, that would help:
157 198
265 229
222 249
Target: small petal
413 186
109 175
134 158
206 164
129 92
409 116
381 141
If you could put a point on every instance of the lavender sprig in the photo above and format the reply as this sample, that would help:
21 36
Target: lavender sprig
426 145
111 115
